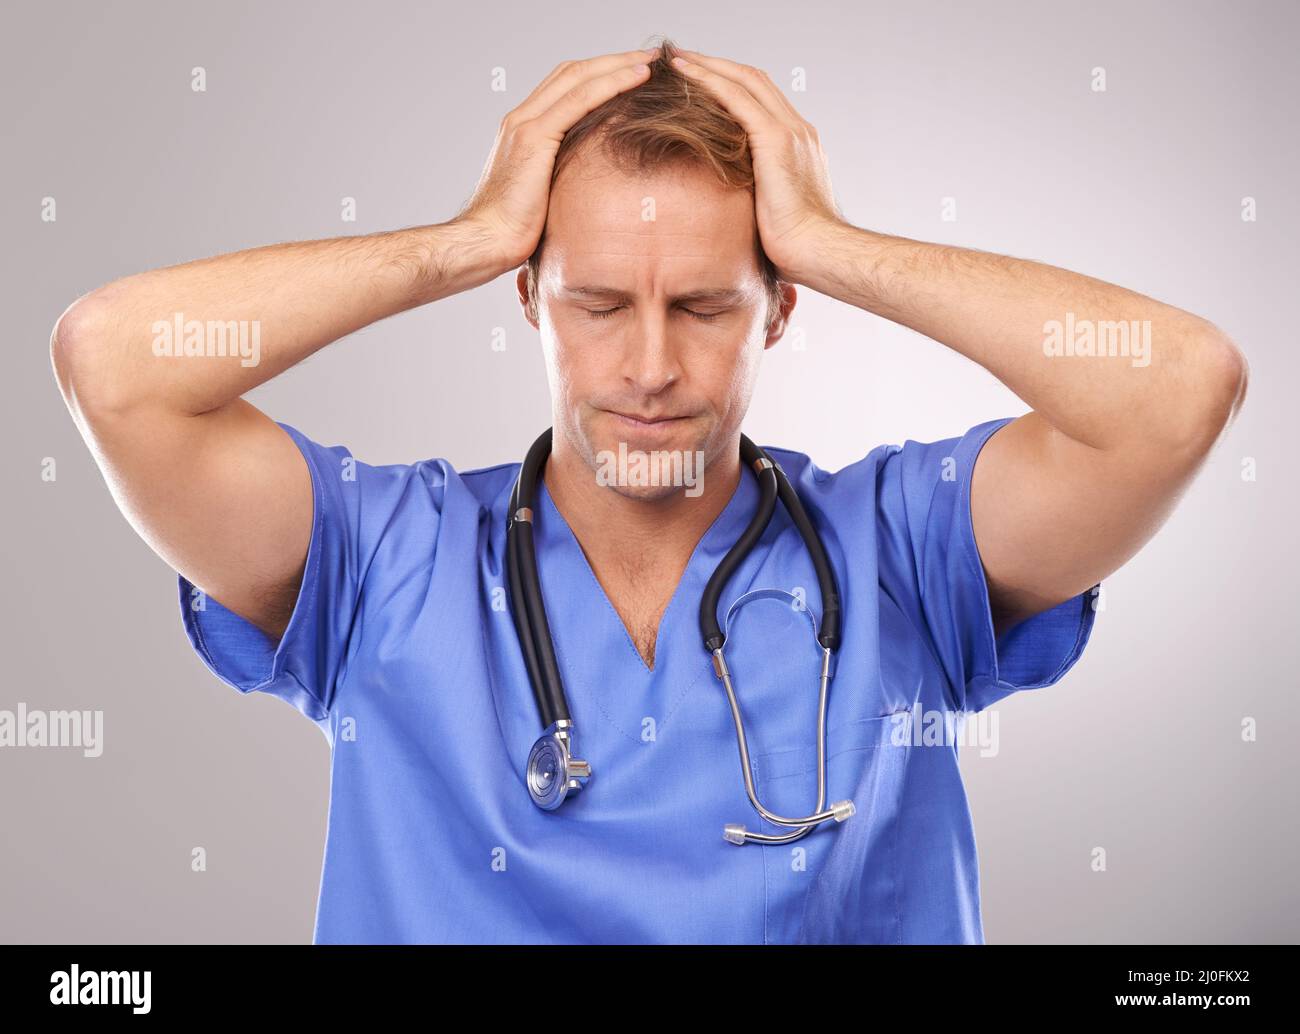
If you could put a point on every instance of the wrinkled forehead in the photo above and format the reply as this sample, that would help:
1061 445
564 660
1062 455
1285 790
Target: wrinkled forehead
680 220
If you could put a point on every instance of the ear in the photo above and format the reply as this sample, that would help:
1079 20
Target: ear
789 296
521 285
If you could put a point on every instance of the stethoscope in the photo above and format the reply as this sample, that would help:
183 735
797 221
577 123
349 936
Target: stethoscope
553 769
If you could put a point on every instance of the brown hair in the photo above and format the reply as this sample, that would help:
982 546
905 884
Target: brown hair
666 121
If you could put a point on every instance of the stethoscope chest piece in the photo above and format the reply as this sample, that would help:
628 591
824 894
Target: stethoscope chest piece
553 772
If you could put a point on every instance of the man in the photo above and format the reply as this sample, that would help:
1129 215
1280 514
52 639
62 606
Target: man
661 216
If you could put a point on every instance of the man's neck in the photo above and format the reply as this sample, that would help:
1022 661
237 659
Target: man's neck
623 534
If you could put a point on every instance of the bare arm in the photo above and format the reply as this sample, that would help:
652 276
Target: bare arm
216 488
1064 495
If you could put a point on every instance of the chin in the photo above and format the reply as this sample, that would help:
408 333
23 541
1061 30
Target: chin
648 493
611 448
636 473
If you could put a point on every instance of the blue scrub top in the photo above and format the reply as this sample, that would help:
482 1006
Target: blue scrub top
402 649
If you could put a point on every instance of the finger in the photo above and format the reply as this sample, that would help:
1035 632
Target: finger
587 95
756 81
584 67
599 63
569 73
743 105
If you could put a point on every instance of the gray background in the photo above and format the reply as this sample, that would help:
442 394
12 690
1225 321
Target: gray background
1137 751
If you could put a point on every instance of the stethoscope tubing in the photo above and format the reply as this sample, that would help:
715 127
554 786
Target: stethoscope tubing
533 630
530 609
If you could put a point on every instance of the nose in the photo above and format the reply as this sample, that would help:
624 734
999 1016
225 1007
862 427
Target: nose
651 361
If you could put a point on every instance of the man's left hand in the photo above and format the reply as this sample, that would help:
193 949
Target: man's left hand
793 201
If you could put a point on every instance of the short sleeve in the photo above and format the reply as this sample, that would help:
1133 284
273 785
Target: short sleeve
928 540
353 505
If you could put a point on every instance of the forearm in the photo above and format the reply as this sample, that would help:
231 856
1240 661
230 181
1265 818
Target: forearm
1158 376
188 339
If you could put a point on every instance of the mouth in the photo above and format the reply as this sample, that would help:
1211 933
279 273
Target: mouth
646 422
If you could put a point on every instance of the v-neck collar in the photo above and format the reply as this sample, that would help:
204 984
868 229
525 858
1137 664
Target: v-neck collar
556 538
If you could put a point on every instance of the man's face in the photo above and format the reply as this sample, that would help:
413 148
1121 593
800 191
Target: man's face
651 304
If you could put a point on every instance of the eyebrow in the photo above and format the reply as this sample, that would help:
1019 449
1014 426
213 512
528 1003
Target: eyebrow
711 295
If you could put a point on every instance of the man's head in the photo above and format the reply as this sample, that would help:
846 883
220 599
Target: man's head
649 286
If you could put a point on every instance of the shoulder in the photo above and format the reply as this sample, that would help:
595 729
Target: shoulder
336 469
888 460
807 476
891 478
488 486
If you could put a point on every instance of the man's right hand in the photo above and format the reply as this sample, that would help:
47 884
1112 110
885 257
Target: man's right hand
186 457
514 191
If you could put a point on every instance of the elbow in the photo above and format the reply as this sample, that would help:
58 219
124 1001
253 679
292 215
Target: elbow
1229 378
1219 389
76 350
64 356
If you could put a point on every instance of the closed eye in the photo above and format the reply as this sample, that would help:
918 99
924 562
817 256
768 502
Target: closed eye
604 314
